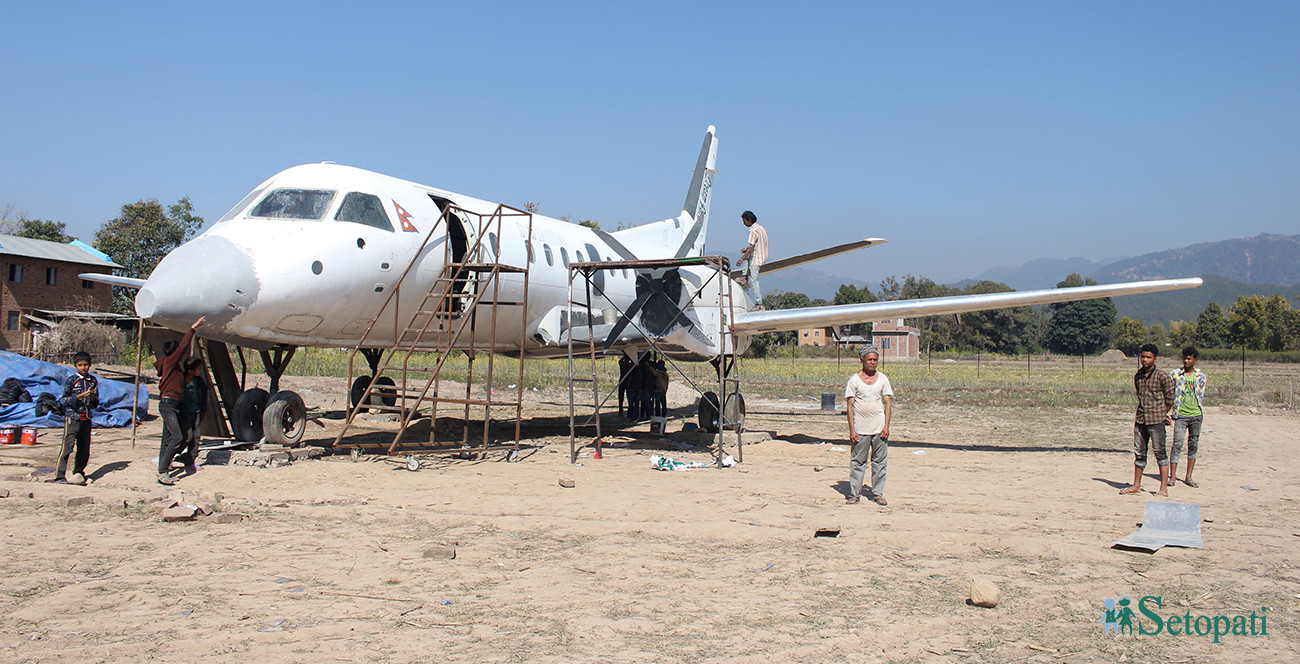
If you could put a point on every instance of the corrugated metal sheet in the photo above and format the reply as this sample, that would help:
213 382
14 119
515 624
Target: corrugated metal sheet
11 245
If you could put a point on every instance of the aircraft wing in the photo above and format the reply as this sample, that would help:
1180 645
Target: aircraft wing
794 261
125 282
756 322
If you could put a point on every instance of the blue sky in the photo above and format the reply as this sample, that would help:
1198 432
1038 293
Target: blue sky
969 135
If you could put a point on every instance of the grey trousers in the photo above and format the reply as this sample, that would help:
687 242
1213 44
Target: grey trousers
1189 428
875 449
1152 435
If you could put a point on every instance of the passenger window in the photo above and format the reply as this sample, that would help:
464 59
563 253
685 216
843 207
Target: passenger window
532 258
550 258
579 255
564 256
294 204
496 246
364 209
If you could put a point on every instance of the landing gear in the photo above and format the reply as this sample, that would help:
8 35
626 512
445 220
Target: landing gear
385 392
734 412
285 419
279 415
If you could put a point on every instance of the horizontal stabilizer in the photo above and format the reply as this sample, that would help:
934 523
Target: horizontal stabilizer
124 282
794 261
757 322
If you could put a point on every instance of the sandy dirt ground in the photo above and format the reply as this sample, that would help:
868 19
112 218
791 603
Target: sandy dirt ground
634 564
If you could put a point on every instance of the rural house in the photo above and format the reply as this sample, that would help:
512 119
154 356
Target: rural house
896 341
41 276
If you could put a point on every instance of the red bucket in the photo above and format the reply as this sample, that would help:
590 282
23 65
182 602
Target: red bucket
29 435
9 435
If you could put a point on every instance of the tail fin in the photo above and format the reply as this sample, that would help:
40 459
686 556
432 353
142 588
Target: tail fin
696 209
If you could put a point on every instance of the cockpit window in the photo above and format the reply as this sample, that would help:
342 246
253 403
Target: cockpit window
294 204
365 209
234 211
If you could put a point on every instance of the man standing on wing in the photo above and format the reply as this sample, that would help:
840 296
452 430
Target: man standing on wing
753 256
1155 395
869 397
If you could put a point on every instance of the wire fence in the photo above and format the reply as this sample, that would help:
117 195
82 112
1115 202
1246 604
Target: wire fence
1039 381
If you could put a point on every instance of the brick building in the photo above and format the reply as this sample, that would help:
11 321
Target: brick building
817 336
896 341
39 276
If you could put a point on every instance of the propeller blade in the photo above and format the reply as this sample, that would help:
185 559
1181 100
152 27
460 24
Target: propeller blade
625 319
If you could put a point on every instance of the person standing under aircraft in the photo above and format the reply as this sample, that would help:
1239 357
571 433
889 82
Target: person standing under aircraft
194 398
171 385
1155 395
1189 397
625 365
753 256
869 398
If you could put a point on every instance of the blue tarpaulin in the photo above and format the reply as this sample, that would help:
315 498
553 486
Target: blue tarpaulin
114 396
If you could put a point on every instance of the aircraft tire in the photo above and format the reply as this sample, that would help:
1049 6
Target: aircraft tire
709 412
285 419
735 410
358 388
385 392
246 417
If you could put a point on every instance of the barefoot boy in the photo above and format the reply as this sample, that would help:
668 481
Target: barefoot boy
1155 395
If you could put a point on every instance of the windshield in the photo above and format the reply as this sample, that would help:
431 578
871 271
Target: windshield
239 207
364 209
294 204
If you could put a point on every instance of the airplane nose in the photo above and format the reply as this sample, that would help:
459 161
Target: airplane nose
208 276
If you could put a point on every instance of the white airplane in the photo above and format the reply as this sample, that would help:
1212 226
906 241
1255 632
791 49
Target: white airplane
311 255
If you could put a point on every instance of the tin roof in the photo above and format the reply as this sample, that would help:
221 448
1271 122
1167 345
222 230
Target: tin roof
12 245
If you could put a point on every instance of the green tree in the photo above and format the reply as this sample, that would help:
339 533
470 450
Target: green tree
936 331
1277 313
1083 327
41 229
1182 334
141 235
590 224
1156 335
1212 327
1006 331
1248 322
850 294
1130 334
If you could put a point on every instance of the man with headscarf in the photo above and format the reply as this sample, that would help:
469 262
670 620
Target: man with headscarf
868 396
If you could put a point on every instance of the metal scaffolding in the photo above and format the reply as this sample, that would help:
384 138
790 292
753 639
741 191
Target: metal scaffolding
720 415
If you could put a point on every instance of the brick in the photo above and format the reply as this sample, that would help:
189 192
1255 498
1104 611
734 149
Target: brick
77 501
228 517
443 552
172 514
568 483
205 508
4 493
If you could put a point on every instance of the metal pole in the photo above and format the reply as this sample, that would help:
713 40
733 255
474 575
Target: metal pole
135 396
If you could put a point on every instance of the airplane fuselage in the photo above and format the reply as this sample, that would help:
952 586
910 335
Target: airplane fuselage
311 256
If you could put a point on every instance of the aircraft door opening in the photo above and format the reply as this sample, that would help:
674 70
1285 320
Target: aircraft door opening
458 239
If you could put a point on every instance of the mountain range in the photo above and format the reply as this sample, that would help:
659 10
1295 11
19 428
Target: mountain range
1266 264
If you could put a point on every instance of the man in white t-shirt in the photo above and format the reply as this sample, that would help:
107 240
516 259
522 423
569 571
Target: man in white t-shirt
868 396
753 256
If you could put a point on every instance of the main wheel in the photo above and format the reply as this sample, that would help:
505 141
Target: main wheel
735 410
358 388
285 419
709 412
385 392
247 414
